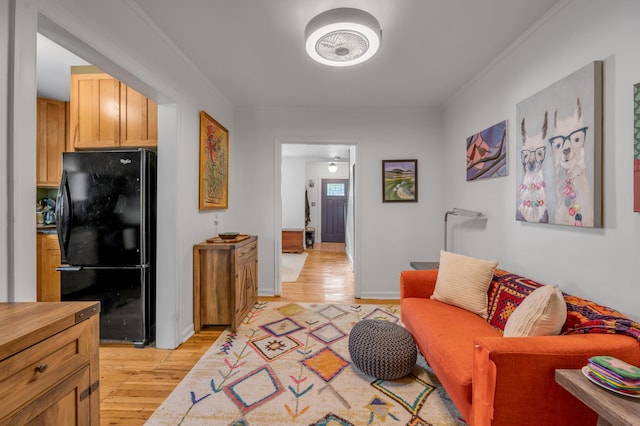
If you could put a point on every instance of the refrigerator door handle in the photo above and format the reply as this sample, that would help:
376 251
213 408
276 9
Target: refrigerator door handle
63 215
69 268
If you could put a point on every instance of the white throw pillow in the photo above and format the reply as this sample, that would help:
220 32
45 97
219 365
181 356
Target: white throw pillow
463 281
541 313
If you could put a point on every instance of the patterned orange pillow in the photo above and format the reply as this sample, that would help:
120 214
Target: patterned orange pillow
506 292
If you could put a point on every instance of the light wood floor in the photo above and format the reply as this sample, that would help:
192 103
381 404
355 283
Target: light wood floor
134 382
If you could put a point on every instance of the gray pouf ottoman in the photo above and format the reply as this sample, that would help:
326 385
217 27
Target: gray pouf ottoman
382 349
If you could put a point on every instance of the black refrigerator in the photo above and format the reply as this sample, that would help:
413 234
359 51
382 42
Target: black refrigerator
106 224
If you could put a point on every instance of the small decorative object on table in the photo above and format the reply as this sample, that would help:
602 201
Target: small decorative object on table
613 374
228 235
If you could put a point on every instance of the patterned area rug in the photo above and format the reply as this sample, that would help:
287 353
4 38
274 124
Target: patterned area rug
292 264
289 364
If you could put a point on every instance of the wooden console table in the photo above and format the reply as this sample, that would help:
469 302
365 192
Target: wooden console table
613 409
225 282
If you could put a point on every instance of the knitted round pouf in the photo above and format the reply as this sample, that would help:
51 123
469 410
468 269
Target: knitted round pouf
382 349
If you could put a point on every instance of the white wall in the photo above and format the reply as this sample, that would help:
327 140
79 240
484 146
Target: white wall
127 45
388 235
599 264
4 146
293 178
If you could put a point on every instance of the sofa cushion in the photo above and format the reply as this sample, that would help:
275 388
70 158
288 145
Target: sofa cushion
463 281
445 334
506 292
542 313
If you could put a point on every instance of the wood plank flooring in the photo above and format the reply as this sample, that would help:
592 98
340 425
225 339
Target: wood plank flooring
134 382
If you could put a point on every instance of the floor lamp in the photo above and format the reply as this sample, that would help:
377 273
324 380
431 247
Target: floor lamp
459 212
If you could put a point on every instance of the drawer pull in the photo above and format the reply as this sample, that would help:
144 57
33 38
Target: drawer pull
41 368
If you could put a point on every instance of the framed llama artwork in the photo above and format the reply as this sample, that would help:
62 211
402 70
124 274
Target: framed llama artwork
559 139
636 148
487 153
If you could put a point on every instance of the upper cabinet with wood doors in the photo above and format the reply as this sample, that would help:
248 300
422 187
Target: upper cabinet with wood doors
105 113
138 119
50 141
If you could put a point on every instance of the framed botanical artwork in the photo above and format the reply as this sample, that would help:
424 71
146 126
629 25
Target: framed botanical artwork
559 175
399 181
487 153
214 164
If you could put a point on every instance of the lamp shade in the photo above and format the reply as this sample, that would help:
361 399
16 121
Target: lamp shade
343 37
333 168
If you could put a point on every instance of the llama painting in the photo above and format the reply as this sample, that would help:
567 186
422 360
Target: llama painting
560 176
532 205
574 200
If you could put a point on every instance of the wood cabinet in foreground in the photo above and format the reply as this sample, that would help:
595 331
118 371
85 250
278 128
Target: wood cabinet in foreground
225 282
49 371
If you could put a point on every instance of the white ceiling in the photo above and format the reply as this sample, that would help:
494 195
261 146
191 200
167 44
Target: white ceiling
53 62
253 50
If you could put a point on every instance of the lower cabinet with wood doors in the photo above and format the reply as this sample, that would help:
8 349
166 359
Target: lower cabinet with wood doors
225 282
49 363
48 259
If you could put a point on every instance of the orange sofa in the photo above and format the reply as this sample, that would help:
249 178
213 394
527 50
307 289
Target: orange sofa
496 380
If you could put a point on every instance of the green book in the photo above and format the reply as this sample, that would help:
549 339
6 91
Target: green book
617 366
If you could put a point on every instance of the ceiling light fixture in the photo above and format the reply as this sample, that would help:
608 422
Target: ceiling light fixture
333 168
343 37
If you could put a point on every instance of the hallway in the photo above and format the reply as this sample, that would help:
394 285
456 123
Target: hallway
326 276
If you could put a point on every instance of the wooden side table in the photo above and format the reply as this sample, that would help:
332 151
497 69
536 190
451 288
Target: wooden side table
424 265
613 409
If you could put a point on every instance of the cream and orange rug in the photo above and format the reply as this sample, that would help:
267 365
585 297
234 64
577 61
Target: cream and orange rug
289 364
291 266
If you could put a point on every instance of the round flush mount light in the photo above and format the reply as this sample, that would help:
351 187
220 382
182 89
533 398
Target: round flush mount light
343 37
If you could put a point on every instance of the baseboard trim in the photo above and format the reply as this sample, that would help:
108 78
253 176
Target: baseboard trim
380 295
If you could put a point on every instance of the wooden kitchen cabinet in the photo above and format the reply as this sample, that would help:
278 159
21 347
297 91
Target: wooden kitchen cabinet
48 259
225 282
138 119
94 109
51 139
105 113
49 363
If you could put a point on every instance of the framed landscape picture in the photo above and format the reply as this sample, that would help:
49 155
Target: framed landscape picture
214 164
399 181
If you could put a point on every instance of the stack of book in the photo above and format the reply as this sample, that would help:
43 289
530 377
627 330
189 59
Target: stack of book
614 374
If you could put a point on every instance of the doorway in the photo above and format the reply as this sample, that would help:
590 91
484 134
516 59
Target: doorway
169 298
302 176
